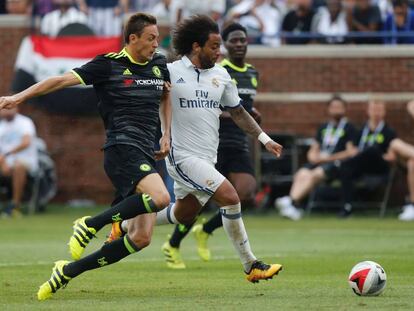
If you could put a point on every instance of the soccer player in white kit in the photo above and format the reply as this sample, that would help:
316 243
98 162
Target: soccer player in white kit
199 88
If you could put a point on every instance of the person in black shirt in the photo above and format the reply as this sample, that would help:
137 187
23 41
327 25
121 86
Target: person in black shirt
233 158
130 86
371 154
334 142
365 17
298 21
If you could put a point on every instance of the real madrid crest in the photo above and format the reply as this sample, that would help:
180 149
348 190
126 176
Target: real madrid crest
215 82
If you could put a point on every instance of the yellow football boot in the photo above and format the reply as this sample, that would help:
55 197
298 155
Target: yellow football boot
82 235
56 281
201 239
261 271
172 256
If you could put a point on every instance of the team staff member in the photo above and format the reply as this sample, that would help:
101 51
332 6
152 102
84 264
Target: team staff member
130 86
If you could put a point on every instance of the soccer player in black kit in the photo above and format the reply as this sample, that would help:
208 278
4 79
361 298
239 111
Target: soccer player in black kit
233 160
132 88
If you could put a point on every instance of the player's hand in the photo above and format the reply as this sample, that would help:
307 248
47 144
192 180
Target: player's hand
164 148
167 87
274 147
8 102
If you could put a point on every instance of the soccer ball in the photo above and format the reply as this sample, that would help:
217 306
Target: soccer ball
367 278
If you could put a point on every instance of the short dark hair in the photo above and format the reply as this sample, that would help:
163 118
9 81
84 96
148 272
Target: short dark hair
230 28
136 24
337 97
399 3
195 29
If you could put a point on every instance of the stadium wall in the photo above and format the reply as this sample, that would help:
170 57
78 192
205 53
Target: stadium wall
295 83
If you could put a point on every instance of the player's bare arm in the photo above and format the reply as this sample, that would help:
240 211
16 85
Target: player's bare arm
246 122
165 117
41 88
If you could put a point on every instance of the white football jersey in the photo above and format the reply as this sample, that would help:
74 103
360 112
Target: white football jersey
196 97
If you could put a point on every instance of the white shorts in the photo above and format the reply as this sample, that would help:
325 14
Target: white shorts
194 176
30 164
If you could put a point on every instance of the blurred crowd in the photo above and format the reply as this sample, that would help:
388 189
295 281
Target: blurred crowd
269 22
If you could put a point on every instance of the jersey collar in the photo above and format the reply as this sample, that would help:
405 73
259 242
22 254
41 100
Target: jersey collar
233 66
187 62
125 53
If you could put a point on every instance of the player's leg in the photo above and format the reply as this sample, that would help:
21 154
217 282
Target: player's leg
140 230
185 212
127 167
230 208
408 210
245 185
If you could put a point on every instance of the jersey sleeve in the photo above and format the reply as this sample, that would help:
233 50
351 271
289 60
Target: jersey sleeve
94 72
230 97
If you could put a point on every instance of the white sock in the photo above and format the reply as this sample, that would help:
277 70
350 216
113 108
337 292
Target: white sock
166 216
124 225
234 227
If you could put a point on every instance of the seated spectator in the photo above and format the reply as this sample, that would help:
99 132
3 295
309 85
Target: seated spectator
365 17
371 156
3 7
162 10
298 21
400 150
330 21
42 7
18 154
142 5
261 19
66 14
104 16
186 8
398 22
334 142
21 7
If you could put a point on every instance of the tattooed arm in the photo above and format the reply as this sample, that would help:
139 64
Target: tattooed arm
246 122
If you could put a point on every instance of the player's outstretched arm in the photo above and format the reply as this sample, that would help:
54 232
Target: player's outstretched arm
165 117
246 122
41 88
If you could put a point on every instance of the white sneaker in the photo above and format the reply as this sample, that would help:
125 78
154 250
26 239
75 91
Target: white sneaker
407 214
286 208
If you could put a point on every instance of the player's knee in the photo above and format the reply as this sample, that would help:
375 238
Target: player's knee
186 219
140 239
230 198
247 198
161 200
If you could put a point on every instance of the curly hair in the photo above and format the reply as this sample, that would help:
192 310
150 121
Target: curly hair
195 29
136 24
230 28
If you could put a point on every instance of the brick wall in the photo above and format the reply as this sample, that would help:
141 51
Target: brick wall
75 142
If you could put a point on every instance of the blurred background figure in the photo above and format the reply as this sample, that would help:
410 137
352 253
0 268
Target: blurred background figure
18 154
330 21
334 142
298 21
400 21
185 8
142 5
105 16
41 7
364 17
261 19
162 10
3 7
404 152
372 154
19 7
65 14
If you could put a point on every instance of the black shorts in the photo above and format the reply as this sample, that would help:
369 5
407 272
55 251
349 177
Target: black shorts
125 166
331 169
231 161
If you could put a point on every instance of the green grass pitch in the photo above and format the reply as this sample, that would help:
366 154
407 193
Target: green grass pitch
317 253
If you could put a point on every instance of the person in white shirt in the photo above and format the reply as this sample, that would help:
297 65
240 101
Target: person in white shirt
186 8
66 14
18 153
